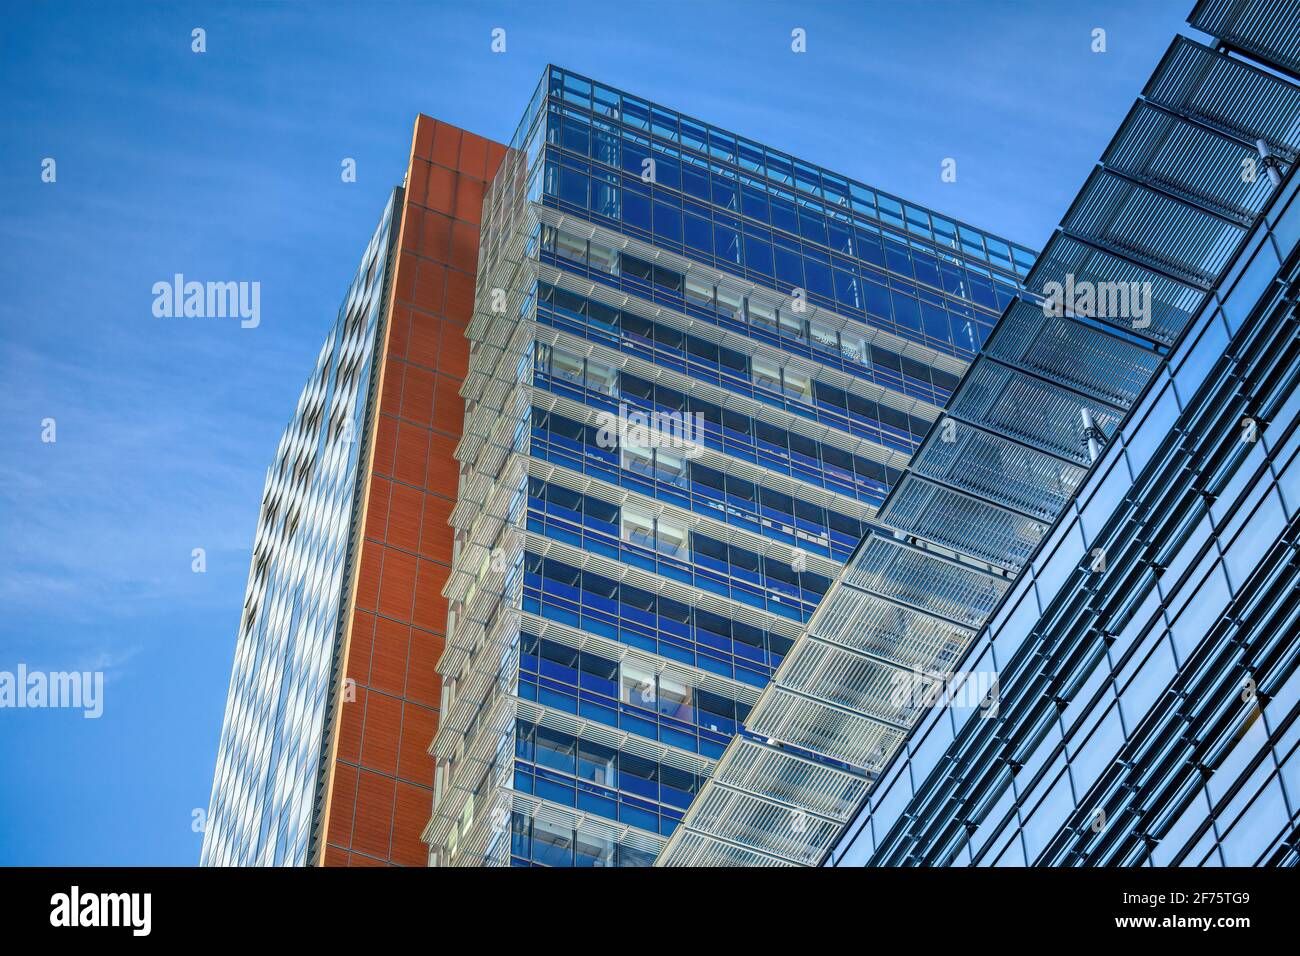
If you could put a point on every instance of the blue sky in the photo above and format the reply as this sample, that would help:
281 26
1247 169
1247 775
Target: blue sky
225 165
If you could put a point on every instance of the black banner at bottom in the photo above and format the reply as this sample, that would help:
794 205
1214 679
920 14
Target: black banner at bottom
333 906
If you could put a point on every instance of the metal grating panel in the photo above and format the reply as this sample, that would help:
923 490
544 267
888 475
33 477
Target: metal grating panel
765 826
1160 211
1156 230
1268 29
1228 95
960 521
1172 301
796 781
818 727
695 850
990 466
863 622
850 680
959 594
1187 160
1070 353
1028 410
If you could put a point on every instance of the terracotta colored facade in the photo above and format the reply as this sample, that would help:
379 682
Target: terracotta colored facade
381 780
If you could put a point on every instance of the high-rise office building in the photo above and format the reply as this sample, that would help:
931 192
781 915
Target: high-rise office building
697 366
323 757
1108 519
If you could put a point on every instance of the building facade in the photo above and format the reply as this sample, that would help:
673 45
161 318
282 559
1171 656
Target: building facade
697 366
333 700
1106 520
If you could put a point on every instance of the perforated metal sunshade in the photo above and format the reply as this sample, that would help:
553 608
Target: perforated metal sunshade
1161 219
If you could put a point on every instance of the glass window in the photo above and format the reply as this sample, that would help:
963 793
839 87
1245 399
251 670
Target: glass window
605 147
716 712
675 699
695 183
854 348
594 508
753 202
784 215
751 155
824 336
792 325
707 477
636 268
819 279
637 328
672 537
936 322
846 289
906 311
566 365
596 763
710 553
694 135
789 268
564 497
699 293
777 501
602 315
668 222
722 146
632 857
798 385
667 337
740 489
605 101
638 526
730 304
601 377
573 187
604 258
762 315
598 674
737 423
702 349
812 226
639 776
758 255
726 244
830 396
766 373
638 685
552 844
875 299
668 172
638 460
663 123
733 361
770 436
636 210
671 467
698 233
556 750
605 195
571 247
568 302
593 851
724 193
